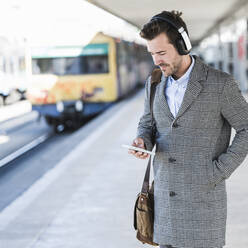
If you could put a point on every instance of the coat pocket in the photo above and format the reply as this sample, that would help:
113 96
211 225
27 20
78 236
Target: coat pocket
210 174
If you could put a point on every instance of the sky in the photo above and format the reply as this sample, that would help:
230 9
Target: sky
60 22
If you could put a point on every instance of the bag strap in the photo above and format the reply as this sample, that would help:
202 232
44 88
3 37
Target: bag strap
155 80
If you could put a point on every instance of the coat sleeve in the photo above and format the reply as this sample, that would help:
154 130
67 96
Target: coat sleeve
144 127
234 109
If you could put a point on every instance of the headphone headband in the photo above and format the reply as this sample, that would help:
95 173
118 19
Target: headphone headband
156 18
179 29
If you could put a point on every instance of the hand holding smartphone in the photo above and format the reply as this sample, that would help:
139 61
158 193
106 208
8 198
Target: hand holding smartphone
138 149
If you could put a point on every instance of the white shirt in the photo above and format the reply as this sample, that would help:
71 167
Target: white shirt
175 89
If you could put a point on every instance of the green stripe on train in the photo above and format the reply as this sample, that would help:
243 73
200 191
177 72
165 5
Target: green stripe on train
69 51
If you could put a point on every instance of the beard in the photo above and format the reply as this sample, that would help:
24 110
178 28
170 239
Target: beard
169 69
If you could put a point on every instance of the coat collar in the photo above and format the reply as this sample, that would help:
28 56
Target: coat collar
194 87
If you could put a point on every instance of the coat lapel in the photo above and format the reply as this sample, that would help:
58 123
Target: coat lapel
162 98
194 87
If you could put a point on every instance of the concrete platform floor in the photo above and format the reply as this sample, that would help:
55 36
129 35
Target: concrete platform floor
86 200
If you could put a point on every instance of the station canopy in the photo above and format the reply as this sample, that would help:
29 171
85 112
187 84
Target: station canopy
201 16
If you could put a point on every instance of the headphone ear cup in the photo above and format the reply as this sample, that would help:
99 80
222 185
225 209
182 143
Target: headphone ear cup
181 47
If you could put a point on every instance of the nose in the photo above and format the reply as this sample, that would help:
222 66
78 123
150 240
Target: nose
156 59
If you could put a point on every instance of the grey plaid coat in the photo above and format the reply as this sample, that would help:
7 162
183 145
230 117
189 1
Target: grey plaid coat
193 157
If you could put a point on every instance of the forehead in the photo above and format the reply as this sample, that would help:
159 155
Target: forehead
159 43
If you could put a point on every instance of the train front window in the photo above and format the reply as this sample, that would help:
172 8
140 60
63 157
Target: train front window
93 64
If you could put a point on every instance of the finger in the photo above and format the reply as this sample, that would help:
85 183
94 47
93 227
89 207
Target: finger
135 144
144 156
131 151
140 153
139 144
134 153
137 154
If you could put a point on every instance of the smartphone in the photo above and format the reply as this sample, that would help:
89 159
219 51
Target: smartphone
138 149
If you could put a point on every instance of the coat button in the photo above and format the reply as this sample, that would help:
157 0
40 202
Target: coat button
172 160
175 125
172 193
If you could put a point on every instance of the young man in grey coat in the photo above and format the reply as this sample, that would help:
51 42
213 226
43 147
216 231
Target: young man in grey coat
195 107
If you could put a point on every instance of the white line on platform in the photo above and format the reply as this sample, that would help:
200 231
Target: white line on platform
23 150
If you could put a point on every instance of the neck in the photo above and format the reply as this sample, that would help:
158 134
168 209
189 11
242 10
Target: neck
183 66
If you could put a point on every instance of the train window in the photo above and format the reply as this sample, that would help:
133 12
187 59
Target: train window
230 68
230 49
5 61
220 65
211 64
71 66
22 63
12 66
94 64
41 66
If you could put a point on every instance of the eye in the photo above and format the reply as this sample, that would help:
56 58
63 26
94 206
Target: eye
159 53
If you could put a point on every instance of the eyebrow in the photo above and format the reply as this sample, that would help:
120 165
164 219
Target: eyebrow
163 51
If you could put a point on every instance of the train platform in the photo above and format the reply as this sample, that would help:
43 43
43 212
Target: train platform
86 200
13 110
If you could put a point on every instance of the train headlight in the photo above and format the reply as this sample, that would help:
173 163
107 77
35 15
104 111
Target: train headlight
79 106
60 106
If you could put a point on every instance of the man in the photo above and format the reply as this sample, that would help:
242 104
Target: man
195 107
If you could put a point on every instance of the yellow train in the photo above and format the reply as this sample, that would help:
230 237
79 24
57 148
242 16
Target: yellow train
70 83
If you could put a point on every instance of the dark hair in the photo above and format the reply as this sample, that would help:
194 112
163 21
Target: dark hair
157 26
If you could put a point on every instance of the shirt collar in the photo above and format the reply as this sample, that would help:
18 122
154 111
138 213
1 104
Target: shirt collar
183 80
